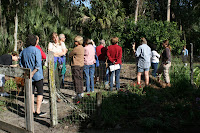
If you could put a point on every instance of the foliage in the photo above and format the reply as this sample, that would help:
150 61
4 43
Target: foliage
10 85
2 105
155 32
196 76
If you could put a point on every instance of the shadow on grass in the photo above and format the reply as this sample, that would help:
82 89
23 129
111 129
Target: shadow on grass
154 110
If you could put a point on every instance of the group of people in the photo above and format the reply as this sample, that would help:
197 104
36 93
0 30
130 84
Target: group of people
88 61
84 59
148 57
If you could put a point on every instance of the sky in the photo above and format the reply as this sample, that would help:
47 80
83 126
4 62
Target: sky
86 3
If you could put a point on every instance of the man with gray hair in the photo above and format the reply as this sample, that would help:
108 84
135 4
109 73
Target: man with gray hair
101 52
62 40
143 53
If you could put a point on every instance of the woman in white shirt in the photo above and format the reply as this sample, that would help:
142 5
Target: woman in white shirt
59 49
154 60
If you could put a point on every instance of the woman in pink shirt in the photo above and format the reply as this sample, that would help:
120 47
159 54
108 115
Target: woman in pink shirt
89 66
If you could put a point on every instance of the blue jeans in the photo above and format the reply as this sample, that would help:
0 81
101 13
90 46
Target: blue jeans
63 76
155 67
117 78
89 76
107 76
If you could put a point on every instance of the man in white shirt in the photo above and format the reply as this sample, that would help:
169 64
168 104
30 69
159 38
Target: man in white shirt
62 41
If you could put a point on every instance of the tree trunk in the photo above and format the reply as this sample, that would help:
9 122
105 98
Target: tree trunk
136 11
168 10
15 33
1 27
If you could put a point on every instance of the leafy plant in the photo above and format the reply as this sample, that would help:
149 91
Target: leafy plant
10 85
196 76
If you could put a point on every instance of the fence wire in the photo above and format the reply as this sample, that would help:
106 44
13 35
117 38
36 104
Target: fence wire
12 107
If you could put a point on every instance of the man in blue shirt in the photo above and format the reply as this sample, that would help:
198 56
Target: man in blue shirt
185 55
143 53
31 58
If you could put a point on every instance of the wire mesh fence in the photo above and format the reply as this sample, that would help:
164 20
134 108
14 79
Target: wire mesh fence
12 108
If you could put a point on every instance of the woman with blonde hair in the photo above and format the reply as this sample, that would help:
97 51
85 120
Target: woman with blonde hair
166 63
77 64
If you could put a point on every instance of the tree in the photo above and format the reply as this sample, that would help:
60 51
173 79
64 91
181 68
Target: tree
168 10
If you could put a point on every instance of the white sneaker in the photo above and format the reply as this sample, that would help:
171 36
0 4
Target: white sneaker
82 94
45 101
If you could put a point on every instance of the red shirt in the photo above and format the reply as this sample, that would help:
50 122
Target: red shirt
42 53
114 53
101 52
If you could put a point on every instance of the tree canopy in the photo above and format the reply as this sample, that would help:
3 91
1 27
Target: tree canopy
101 20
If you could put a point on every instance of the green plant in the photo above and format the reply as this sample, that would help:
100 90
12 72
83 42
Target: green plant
2 105
196 76
10 85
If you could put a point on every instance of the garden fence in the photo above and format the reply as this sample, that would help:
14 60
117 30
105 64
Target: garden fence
16 109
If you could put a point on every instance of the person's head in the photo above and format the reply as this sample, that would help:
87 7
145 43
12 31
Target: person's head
55 37
62 37
102 42
143 41
166 44
153 47
78 40
31 40
184 47
15 56
114 40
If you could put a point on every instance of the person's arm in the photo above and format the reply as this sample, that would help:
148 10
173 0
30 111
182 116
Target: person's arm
14 65
37 63
119 56
157 54
133 47
50 46
109 56
138 52
33 72
64 50
73 52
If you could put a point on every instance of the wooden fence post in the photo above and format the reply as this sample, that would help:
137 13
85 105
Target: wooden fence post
191 65
52 90
99 102
28 103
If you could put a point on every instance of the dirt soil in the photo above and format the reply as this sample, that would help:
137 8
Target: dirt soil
13 113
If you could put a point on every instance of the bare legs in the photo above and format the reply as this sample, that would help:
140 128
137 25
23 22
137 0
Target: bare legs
39 102
146 74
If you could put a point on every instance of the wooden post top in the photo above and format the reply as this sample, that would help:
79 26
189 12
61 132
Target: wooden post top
15 71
